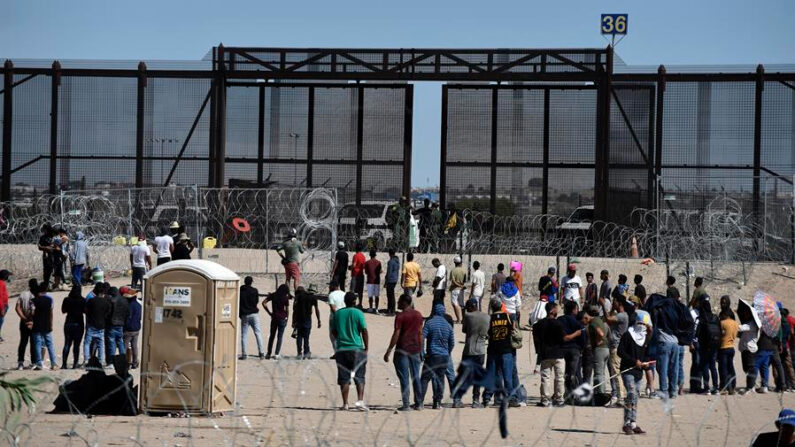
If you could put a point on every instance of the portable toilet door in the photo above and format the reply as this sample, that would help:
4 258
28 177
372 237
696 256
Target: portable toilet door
181 311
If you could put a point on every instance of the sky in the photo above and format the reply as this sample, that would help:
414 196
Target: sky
671 33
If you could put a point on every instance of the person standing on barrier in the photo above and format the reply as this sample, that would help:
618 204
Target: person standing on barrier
478 283
46 248
457 280
132 325
279 315
291 259
164 246
78 256
302 321
24 309
140 261
42 328
249 317
357 273
353 343
411 276
372 269
439 343
339 270
390 281
73 306
407 338
336 301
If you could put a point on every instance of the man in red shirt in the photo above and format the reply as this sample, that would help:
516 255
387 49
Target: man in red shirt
372 268
357 273
408 339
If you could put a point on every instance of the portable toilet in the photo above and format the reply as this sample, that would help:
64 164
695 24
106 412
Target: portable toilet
188 357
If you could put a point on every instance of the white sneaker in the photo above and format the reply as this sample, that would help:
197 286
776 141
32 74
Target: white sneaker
20 367
276 357
360 405
612 402
762 390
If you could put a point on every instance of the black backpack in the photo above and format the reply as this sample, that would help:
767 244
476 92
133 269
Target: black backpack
712 332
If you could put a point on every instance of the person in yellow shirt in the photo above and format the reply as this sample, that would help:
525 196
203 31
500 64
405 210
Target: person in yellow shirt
729 329
411 277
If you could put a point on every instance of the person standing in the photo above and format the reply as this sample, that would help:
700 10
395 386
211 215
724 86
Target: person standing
281 311
500 354
571 285
591 291
618 322
24 309
5 277
476 329
708 334
78 256
572 345
336 301
511 298
598 334
353 343
372 269
411 276
97 311
164 246
59 242
291 259
605 292
666 319
498 279
548 337
729 330
698 293
357 274
640 289
516 274
302 320
439 280
118 318
249 317
182 248
390 280
140 261
586 360
547 286
407 338
458 277
74 326
632 350
46 248
439 343
42 328
132 325
339 270
478 284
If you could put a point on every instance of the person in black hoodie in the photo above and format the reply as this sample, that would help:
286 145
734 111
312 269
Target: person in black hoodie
73 306
118 317
249 316
632 349
572 346
97 311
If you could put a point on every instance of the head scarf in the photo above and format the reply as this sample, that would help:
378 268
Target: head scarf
509 289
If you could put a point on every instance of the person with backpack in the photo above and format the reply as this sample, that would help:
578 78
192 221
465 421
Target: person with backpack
708 334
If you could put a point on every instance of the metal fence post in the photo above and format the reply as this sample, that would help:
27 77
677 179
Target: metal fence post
129 213
8 120
687 281
60 198
56 81
267 232
139 129
792 223
197 221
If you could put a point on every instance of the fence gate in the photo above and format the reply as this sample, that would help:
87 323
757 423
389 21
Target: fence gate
353 137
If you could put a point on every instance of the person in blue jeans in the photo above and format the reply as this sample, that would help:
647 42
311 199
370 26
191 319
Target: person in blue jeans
500 353
42 328
118 317
249 317
408 356
668 355
281 310
98 309
78 255
762 360
439 343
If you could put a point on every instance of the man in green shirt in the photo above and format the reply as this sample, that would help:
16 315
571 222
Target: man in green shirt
699 293
457 279
291 259
350 331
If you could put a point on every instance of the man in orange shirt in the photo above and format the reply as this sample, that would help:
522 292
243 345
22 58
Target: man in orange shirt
357 273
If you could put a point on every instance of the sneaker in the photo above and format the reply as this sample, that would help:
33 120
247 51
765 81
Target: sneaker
543 404
638 431
359 405
477 405
513 404
404 408
261 356
743 392
437 405
762 390
714 392
54 368
558 404
612 402
522 404
20 366
344 407
37 368
732 392
242 357
277 357
458 404
308 356
416 407
628 430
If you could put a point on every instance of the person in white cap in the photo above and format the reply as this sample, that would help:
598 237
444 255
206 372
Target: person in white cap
458 277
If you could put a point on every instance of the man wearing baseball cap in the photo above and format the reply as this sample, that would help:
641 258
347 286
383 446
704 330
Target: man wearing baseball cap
132 326
785 436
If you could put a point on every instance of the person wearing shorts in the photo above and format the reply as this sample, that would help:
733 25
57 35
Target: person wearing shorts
372 269
457 279
291 259
350 331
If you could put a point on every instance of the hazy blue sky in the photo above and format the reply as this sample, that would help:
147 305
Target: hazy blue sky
670 32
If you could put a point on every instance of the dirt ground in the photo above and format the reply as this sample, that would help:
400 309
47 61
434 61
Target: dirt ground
292 401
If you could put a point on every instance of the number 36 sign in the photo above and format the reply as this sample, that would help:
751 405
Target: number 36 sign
614 24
